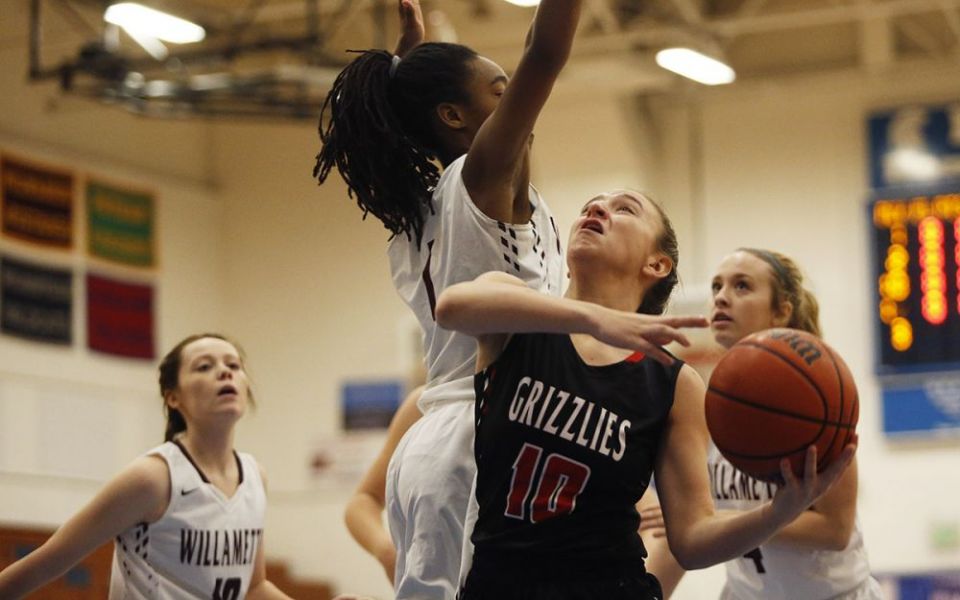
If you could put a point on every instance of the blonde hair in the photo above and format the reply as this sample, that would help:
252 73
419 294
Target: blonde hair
787 285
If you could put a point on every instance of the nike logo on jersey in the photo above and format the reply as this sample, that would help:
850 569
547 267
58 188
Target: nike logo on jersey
190 491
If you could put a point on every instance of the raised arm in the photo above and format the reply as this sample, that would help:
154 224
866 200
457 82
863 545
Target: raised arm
494 172
497 303
364 512
412 31
140 493
699 537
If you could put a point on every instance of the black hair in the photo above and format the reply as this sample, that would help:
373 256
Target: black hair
170 379
378 128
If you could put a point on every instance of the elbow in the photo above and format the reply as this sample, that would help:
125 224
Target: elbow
688 555
448 310
455 307
839 538
691 562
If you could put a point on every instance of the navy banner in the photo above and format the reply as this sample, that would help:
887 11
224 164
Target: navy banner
36 302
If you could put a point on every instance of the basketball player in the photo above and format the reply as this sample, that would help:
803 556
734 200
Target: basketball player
575 411
819 555
383 123
187 517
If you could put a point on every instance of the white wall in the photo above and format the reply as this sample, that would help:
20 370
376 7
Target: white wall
70 417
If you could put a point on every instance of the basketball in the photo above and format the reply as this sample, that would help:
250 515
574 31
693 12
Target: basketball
774 394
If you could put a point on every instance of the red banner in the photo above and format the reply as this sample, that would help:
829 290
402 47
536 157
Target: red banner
120 317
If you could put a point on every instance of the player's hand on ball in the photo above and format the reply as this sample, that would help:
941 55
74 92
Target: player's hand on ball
796 495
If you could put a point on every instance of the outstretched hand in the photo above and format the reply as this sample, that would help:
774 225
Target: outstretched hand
412 31
796 495
646 333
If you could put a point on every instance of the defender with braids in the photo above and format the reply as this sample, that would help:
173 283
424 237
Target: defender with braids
384 123
820 554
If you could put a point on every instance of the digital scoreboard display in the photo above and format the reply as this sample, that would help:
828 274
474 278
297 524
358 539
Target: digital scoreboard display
916 255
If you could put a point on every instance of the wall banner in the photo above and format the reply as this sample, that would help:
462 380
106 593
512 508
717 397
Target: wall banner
37 203
120 317
120 225
36 302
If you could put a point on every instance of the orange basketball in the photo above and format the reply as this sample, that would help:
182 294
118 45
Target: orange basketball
775 393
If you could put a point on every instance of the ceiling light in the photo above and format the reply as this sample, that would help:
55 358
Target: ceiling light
524 2
696 66
138 20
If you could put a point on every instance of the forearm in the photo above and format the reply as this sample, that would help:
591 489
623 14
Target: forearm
815 531
723 536
550 38
31 572
487 307
365 523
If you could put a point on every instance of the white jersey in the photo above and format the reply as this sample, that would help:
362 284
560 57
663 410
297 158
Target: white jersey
432 469
459 244
204 545
780 572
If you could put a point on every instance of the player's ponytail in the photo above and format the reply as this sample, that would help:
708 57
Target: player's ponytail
378 127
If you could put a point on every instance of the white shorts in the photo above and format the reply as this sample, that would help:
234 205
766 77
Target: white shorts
868 590
429 483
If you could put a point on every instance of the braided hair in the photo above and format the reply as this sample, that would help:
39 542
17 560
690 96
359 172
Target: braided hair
378 128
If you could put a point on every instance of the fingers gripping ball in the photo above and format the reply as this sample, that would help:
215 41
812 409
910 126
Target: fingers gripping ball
775 393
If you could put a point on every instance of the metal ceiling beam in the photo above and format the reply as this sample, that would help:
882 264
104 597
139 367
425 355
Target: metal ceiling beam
800 19
953 20
689 10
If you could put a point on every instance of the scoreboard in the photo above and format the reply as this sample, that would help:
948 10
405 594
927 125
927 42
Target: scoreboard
916 256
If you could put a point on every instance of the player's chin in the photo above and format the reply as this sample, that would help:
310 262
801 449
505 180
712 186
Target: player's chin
724 333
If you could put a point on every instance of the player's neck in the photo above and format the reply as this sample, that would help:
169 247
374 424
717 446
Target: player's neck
212 449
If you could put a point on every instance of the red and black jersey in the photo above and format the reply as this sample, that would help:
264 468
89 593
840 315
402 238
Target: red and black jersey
564 451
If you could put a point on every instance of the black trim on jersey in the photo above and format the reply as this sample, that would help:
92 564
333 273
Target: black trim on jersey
203 476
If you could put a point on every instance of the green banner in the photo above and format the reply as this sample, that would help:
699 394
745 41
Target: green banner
121 225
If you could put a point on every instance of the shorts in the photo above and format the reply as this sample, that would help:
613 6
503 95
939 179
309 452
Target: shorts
429 483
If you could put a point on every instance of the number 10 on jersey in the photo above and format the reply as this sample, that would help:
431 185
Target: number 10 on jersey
559 483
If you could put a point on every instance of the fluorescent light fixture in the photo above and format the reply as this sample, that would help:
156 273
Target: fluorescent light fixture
696 66
152 45
524 2
138 20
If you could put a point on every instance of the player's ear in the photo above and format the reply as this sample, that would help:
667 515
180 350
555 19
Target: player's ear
658 266
782 314
451 116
